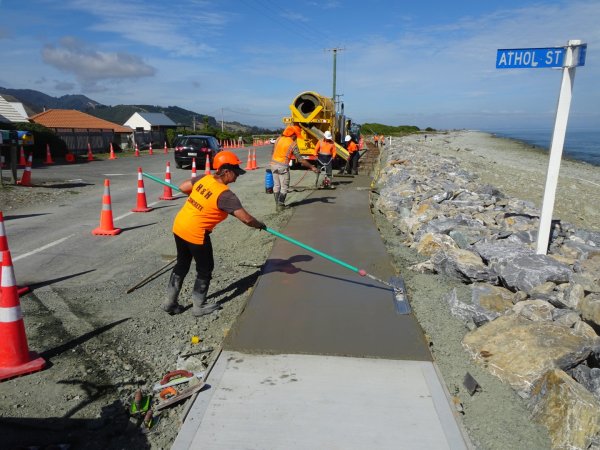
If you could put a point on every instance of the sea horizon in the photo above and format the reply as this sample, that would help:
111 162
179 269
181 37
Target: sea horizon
580 144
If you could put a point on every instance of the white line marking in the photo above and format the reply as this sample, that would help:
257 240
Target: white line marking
51 244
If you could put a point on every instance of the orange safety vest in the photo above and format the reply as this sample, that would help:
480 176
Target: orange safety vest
325 148
284 148
352 147
200 212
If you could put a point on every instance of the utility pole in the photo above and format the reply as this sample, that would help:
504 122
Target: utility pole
335 51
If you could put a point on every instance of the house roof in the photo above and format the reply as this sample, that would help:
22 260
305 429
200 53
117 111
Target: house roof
70 118
8 113
157 119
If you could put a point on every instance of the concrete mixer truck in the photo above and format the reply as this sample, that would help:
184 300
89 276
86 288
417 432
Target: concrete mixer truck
316 114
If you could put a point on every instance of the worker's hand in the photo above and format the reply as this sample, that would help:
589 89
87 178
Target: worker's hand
261 225
315 170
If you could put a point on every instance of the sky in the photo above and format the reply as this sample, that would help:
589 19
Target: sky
426 63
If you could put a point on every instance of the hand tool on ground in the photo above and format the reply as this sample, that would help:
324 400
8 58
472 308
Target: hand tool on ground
176 377
140 404
133 288
181 396
396 283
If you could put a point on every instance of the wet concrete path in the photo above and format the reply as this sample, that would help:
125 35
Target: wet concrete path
320 358
305 304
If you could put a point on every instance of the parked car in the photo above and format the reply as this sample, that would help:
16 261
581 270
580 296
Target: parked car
195 146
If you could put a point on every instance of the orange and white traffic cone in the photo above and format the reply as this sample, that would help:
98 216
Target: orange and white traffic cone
193 167
166 148
90 155
22 159
249 163
254 164
4 247
167 191
106 227
142 204
137 150
15 357
150 151
207 165
26 177
48 155
112 152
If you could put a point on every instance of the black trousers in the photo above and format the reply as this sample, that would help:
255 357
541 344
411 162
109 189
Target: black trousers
202 254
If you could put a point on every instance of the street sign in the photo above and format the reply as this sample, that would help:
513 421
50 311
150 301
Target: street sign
567 58
537 58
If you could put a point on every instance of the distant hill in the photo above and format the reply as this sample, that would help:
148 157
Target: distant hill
36 102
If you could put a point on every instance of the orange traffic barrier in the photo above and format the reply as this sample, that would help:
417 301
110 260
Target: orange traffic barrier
26 177
207 165
166 148
22 159
142 204
249 163
112 152
48 155
137 150
193 167
167 191
150 151
15 357
106 227
90 155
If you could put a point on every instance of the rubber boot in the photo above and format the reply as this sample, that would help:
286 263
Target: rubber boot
200 308
281 203
170 305
276 196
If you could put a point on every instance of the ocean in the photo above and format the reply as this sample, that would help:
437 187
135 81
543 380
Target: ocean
580 145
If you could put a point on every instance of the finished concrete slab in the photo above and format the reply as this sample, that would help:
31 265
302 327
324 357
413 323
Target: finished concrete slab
320 402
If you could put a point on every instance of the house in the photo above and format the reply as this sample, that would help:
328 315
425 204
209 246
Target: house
12 112
150 128
77 129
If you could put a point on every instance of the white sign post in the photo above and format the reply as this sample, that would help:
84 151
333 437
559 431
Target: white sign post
568 58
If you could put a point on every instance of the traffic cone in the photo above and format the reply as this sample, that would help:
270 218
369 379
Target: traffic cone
193 167
254 164
167 191
22 160
150 151
15 357
249 163
137 150
166 148
3 238
142 205
112 152
48 155
207 165
106 227
90 155
26 177
4 247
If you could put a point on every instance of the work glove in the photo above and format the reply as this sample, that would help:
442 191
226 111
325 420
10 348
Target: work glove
262 226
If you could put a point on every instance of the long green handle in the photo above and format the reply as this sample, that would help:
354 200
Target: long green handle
314 250
158 180
284 237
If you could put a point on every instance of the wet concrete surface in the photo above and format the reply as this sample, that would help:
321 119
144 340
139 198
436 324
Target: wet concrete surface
305 304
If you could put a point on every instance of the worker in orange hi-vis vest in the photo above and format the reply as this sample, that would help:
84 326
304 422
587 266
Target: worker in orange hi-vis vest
352 163
325 150
376 140
381 140
284 148
209 202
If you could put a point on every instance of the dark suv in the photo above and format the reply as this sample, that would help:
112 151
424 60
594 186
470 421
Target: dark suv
195 146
